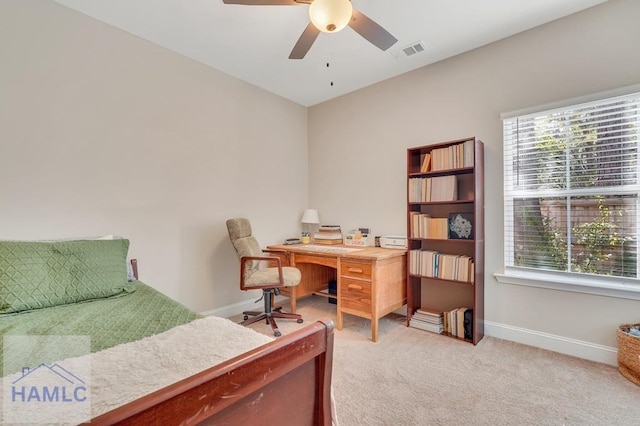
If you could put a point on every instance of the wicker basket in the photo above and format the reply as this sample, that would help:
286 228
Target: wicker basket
629 354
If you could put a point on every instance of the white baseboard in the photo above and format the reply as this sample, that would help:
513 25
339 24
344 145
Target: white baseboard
235 309
563 345
240 307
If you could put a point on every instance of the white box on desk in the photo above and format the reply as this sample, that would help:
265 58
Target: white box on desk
393 241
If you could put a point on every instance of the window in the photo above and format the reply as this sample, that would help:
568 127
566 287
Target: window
571 188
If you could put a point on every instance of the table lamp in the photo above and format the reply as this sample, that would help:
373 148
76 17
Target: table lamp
309 218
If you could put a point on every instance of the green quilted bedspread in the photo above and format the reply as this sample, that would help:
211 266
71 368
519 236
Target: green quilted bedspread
108 322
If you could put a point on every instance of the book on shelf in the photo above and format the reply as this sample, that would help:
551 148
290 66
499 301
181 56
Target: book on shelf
431 189
426 163
456 156
434 328
433 264
425 226
429 312
453 322
444 188
433 321
428 319
458 226
459 322
469 154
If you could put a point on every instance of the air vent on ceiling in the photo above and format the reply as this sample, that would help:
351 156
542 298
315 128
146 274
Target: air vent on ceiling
410 50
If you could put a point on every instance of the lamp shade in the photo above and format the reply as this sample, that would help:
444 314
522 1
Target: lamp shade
310 216
330 16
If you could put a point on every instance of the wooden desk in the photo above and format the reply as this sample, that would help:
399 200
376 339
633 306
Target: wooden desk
371 280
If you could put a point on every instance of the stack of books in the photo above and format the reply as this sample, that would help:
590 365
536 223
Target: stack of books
428 319
328 234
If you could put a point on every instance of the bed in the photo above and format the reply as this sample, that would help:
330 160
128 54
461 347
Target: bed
210 374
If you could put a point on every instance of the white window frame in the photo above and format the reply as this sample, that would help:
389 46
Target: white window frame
619 287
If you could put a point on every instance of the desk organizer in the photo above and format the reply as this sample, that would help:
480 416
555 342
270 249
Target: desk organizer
359 239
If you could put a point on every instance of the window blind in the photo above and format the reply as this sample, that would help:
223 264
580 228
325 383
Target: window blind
571 186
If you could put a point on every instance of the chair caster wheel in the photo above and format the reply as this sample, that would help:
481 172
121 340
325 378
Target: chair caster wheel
246 317
299 321
277 334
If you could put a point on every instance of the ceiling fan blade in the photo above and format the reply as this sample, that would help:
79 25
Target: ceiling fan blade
264 2
371 31
305 41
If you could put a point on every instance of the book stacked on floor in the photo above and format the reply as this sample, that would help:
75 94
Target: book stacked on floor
428 319
328 234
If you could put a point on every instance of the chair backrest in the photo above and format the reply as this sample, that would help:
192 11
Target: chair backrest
244 243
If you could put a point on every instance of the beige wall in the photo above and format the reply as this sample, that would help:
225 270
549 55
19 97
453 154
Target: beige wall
357 146
104 133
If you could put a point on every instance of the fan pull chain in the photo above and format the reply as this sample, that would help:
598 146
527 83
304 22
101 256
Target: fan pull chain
331 83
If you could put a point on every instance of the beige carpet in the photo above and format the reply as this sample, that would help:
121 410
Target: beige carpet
413 377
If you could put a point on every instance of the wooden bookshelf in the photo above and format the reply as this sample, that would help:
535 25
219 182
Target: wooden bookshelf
461 161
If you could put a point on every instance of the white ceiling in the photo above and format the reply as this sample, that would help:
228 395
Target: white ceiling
253 42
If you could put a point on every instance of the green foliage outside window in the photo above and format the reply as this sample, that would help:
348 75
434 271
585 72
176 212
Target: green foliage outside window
598 248
572 153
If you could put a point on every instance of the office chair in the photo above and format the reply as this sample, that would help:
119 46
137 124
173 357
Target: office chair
269 279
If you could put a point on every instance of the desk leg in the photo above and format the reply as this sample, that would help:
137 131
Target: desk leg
374 329
338 297
293 297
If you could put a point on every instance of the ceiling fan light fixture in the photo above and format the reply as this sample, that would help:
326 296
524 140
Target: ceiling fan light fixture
330 16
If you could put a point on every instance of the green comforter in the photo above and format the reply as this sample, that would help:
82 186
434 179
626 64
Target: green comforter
108 322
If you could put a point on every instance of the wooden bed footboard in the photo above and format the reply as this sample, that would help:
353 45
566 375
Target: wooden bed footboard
286 381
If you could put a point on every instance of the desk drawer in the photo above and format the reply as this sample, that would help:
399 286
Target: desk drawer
355 270
355 295
330 262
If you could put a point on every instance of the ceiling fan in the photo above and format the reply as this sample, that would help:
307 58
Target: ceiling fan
329 16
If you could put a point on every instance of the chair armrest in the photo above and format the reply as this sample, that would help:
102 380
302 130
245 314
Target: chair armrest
262 258
245 259
282 253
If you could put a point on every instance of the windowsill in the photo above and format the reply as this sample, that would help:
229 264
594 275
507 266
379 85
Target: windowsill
622 288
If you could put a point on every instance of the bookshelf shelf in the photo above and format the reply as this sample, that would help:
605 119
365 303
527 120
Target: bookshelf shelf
455 291
441 279
444 240
459 171
456 337
443 202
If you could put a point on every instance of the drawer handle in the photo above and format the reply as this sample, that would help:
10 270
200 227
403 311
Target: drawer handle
354 287
358 270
